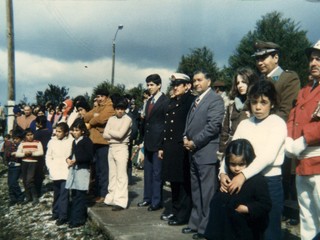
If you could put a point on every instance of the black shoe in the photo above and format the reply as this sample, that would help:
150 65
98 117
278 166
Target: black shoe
198 236
62 221
143 204
53 218
187 230
26 201
175 222
76 225
154 208
167 217
12 203
117 208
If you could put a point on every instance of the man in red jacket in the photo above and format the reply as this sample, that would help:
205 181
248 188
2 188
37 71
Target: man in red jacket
303 143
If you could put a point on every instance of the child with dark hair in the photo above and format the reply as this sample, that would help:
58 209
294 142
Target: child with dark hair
117 133
29 150
59 149
242 216
267 133
14 169
79 174
42 134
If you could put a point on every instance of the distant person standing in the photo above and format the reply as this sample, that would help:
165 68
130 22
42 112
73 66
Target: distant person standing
96 120
303 144
59 149
29 150
201 139
175 160
152 131
24 121
286 82
117 132
79 173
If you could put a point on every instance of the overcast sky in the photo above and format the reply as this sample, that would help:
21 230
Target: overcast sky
69 42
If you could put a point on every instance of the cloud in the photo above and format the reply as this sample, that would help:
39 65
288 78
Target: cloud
34 73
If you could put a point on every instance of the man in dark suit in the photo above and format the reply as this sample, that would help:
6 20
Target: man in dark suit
152 131
201 139
175 160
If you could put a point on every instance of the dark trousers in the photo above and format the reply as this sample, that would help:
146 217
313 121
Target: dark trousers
60 199
78 207
15 193
273 231
28 175
39 176
102 169
152 178
181 200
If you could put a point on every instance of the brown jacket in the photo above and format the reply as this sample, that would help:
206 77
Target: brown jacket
287 87
97 118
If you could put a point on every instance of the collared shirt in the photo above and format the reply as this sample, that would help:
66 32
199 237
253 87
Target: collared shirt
275 73
156 97
202 95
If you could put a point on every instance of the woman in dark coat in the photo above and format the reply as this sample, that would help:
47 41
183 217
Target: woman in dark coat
175 165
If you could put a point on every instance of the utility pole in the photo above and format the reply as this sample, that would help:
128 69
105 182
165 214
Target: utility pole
11 66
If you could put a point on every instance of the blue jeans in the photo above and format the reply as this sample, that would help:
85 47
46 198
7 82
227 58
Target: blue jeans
60 199
273 232
15 193
78 207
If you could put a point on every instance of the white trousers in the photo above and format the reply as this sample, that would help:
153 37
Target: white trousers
308 190
118 177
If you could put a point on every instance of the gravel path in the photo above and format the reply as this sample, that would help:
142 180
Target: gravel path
27 222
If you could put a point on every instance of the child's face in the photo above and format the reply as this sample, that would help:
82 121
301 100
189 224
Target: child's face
16 140
236 164
260 107
59 133
119 112
29 137
76 133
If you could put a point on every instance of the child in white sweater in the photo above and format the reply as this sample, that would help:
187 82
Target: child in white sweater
117 132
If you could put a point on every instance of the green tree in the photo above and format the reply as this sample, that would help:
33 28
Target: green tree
118 89
54 93
199 59
283 31
137 93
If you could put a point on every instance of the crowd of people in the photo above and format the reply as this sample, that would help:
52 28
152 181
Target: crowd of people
230 161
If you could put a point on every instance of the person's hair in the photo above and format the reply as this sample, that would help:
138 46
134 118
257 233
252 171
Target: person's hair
205 73
18 133
28 130
249 77
79 123
42 120
240 147
263 88
155 78
63 126
122 103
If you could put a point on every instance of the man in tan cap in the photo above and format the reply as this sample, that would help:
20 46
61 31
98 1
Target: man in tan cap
287 82
303 143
